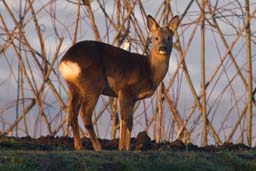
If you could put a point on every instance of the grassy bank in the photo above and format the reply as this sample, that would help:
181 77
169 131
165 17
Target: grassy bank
114 160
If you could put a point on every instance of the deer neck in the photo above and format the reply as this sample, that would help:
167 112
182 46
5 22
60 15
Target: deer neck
159 66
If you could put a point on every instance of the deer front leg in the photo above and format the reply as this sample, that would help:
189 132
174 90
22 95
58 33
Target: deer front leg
129 121
126 105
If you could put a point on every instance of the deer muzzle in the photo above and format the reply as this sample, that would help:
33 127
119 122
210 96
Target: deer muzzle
163 49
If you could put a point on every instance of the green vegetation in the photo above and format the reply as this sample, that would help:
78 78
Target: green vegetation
132 161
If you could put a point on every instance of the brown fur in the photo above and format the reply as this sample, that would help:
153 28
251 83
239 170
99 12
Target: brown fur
94 68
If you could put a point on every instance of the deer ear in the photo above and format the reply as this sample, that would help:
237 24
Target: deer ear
173 23
152 24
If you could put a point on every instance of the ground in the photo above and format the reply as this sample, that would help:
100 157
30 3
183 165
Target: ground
141 143
56 153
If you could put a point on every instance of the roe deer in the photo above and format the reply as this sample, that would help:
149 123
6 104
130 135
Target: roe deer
93 68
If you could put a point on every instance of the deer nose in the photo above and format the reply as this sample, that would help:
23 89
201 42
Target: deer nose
163 49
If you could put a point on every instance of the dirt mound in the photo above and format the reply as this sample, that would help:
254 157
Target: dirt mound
142 143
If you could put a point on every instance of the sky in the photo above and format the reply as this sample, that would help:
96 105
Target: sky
229 17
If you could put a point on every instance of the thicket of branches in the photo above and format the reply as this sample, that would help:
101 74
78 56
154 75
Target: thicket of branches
208 96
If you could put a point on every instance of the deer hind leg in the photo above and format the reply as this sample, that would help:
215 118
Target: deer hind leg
88 106
74 104
126 105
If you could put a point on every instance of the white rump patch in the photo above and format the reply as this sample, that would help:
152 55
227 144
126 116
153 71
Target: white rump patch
69 70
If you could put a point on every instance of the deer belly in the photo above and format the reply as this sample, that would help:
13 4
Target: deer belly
145 94
144 90
137 88
111 87
109 91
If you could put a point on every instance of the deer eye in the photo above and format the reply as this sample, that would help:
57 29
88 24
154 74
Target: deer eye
156 38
